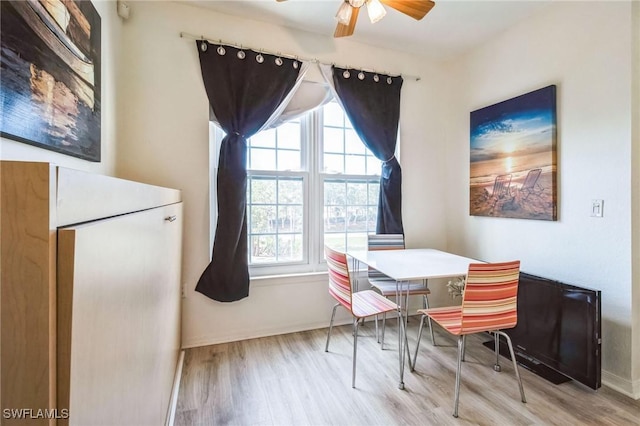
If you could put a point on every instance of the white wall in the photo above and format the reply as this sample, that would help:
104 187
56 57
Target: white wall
163 140
586 50
12 150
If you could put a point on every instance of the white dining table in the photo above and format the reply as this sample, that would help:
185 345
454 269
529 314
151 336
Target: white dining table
408 265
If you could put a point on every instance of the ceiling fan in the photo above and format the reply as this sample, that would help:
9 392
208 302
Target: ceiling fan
349 9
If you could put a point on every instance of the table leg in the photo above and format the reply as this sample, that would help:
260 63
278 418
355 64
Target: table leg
403 343
400 349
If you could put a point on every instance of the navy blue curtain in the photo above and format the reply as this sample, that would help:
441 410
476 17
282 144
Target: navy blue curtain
372 103
244 88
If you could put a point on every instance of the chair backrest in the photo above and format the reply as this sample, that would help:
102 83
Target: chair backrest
501 186
383 242
339 279
531 179
490 298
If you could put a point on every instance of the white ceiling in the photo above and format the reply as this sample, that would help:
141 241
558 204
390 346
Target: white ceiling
451 28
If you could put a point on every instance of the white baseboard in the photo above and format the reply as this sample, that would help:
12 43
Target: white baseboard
624 386
207 340
256 333
173 401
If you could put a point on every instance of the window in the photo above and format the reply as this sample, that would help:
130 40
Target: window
275 196
310 182
351 197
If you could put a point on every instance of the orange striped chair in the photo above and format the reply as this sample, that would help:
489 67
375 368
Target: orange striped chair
489 304
361 304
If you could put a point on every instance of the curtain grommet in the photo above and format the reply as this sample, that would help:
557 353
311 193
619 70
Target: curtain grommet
376 78
295 65
241 54
204 45
389 80
346 74
221 51
259 58
361 75
278 61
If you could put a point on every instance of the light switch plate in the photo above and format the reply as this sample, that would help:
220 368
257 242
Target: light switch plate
597 208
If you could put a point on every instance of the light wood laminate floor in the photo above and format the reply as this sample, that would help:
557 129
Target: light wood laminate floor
290 380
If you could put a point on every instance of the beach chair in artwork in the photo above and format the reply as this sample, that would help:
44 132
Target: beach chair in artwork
530 184
501 190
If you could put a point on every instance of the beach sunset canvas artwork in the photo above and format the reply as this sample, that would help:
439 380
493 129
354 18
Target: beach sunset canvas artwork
513 157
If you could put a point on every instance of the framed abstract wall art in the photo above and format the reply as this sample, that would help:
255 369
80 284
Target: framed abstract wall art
50 76
513 158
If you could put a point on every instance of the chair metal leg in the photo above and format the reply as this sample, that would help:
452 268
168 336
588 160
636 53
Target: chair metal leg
458 371
355 351
333 314
426 305
377 335
496 346
515 364
384 324
464 341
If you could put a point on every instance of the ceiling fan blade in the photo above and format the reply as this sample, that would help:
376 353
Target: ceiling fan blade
414 8
347 30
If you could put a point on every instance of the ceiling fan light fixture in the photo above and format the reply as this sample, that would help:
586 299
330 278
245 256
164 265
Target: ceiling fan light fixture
344 13
376 10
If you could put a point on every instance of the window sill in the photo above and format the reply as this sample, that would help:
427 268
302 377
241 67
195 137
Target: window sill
288 279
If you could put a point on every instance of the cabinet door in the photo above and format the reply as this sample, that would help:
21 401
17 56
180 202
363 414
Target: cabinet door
119 317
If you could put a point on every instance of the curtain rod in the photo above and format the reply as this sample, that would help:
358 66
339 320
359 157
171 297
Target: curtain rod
287 55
